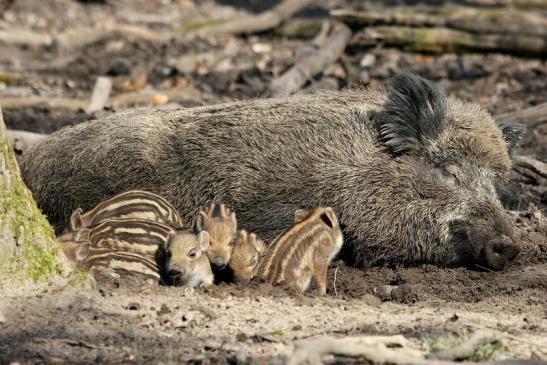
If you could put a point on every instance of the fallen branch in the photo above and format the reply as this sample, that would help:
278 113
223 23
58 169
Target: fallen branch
19 37
80 37
441 39
21 140
145 96
36 101
256 23
100 94
530 170
470 19
530 117
376 349
316 61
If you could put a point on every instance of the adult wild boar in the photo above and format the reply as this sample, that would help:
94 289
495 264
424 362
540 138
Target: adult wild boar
410 173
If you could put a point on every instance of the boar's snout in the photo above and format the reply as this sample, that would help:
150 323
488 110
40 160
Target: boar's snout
218 263
497 253
482 244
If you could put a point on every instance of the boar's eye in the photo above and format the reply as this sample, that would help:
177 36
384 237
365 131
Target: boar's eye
192 254
253 261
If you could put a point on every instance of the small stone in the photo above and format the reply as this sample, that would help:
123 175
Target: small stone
179 323
159 99
368 60
164 309
133 306
241 337
188 316
261 48
297 328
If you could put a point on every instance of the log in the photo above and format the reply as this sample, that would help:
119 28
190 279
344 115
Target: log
27 243
255 23
441 39
22 140
503 21
315 61
530 170
531 117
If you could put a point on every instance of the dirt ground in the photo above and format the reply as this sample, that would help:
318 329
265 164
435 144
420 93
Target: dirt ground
256 323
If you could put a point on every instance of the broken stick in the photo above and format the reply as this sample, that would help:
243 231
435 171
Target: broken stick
530 117
100 94
257 23
304 69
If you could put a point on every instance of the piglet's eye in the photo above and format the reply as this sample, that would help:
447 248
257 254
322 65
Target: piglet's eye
192 254
253 261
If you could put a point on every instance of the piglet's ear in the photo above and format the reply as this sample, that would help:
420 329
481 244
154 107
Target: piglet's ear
300 215
76 221
202 222
233 220
412 115
512 134
204 240
258 243
169 241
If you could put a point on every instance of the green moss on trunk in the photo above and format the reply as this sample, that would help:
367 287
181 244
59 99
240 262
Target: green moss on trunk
29 242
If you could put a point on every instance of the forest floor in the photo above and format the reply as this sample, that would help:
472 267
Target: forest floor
256 323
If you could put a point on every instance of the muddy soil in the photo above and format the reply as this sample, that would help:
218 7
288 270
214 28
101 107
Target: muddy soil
256 323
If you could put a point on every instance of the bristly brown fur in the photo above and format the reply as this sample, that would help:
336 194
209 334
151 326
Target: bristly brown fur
268 157
304 251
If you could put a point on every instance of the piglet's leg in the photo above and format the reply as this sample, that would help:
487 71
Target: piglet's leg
320 265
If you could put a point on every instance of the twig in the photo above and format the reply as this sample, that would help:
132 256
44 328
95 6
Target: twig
314 63
35 101
100 94
334 283
257 23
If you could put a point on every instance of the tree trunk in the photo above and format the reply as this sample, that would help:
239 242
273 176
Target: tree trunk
27 242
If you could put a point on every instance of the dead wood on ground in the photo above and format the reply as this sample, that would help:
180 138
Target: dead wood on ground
327 52
531 117
504 20
256 23
441 39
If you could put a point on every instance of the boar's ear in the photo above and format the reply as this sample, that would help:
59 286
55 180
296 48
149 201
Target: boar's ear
412 115
204 240
512 133
76 221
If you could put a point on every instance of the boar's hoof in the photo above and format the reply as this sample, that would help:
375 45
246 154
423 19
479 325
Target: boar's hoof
497 253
